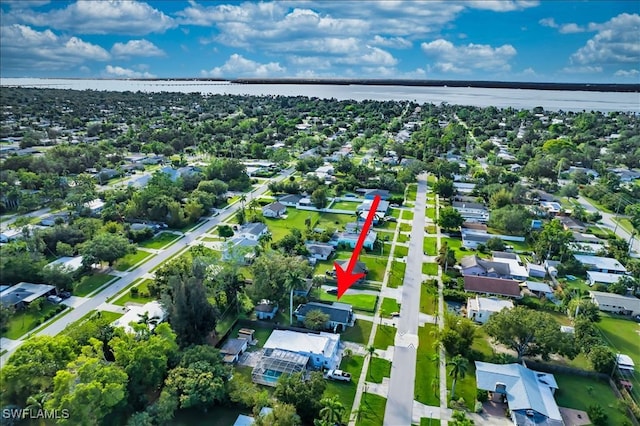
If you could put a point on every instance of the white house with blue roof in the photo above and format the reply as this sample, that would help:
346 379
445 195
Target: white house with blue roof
528 393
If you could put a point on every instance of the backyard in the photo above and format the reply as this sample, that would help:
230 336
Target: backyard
359 302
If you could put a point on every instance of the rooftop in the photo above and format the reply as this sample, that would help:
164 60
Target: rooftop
488 285
293 341
598 262
338 312
154 310
24 292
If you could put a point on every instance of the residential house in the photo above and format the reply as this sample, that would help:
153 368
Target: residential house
472 212
585 248
595 277
290 200
492 286
276 209
340 314
359 268
154 311
480 309
351 238
570 223
600 264
266 310
551 207
537 271
20 295
94 207
323 349
243 420
616 303
539 289
464 187
474 265
528 393
253 231
319 251
370 194
304 202
54 219
579 237
70 264
625 363
516 268
232 349
383 207
9 235
626 175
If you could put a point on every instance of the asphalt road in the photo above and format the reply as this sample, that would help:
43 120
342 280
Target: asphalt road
607 222
403 370
95 301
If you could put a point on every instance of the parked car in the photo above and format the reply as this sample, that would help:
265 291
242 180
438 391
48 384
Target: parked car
339 375
64 295
333 291
54 299
395 314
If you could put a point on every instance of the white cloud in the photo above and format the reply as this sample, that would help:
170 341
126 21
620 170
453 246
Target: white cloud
238 66
136 48
23 47
502 5
582 70
393 42
116 71
616 42
627 73
100 17
529 71
548 22
24 4
571 29
461 59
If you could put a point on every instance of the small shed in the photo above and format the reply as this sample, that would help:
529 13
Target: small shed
232 349
247 333
266 309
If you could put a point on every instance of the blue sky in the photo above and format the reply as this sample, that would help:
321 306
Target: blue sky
554 41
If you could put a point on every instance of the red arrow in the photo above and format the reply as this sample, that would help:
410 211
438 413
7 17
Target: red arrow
347 278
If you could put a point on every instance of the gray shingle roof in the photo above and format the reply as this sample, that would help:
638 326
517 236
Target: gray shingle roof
339 312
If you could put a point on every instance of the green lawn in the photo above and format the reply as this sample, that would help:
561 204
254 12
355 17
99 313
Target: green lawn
160 241
90 283
403 238
295 219
359 302
386 225
385 337
456 244
389 306
345 205
346 391
465 386
412 191
400 251
430 246
431 213
23 322
371 410
396 276
396 213
378 369
428 300
407 214
405 227
430 268
110 316
143 287
430 229
359 333
427 368
579 392
376 265
130 260
261 333
334 220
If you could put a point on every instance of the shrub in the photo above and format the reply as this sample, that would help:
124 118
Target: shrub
134 292
597 415
482 395
478 408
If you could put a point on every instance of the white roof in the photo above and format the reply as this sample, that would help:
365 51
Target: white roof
493 304
603 277
154 309
607 263
302 342
516 268
612 299
536 286
72 263
625 361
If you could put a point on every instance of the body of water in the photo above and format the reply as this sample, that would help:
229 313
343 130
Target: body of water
553 100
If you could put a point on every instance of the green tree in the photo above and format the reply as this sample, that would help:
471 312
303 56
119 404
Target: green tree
444 188
305 395
450 218
316 320
597 415
602 359
58 275
500 198
460 418
332 410
33 365
446 257
459 366
273 275
552 240
584 309
190 313
225 231
106 248
319 198
495 244
89 388
529 333
510 219
281 415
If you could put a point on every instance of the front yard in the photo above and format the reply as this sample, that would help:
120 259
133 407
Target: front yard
396 276
90 283
160 241
23 322
360 302
346 391
130 260
372 410
359 333
141 297
379 369
388 307
427 384
385 337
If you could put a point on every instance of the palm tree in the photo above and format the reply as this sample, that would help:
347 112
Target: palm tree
332 410
36 403
292 282
265 239
243 198
446 257
459 366
253 205
371 351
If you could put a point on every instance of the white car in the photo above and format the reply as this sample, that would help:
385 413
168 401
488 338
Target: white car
339 375
54 299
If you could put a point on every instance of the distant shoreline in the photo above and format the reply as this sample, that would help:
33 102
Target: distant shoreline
588 87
